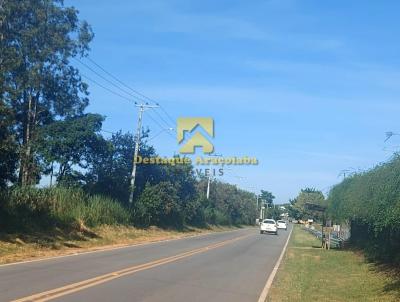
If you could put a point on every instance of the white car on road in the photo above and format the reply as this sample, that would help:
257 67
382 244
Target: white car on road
269 226
282 224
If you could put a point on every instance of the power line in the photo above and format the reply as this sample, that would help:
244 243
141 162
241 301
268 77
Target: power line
158 134
125 98
131 89
106 88
160 116
105 79
119 81
167 114
156 122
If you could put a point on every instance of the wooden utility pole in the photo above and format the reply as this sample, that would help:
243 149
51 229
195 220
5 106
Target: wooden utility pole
142 108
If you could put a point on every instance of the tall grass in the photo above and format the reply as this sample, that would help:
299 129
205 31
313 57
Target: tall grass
22 208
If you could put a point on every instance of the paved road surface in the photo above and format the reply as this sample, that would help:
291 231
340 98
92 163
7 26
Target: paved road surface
230 266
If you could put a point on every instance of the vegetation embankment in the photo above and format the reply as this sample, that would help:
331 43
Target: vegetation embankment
370 202
52 221
309 273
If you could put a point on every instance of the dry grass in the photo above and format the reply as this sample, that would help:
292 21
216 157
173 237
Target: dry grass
19 247
309 273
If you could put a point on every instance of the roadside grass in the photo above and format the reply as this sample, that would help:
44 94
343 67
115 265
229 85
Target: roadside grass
26 246
25 208
309 273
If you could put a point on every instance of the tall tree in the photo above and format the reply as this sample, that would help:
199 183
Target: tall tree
112 165
230 205
8 147
69 144
182 176
268 197
38 37
306 199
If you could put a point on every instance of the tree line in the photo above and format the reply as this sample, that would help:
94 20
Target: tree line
46 131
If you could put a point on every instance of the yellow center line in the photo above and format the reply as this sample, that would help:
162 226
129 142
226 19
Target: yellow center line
78 286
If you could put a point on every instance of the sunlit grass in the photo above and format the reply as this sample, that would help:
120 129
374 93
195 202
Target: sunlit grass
309 273
61 206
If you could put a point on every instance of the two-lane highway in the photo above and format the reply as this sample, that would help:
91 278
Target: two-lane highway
228 266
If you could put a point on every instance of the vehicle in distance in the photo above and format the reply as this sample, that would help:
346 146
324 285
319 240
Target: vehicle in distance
282 224
269 226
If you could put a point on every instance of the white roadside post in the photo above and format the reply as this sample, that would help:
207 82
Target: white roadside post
209 176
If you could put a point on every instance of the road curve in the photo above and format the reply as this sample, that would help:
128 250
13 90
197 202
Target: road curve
229 266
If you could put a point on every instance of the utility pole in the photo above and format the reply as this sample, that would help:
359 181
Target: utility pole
257 201
142 108
208 185
209 177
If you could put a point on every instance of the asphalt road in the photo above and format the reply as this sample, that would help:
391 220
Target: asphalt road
230 266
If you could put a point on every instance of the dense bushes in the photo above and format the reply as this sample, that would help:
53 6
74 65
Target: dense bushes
161 204
25 208
371 202
230 205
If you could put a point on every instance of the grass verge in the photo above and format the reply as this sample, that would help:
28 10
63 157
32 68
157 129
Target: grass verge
309 273
22 246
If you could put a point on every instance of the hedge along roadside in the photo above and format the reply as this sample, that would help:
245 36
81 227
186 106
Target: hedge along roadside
370 201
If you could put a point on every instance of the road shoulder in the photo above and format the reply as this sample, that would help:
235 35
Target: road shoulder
16 248
309 273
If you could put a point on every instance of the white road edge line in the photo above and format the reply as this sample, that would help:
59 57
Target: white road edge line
113 248
271 277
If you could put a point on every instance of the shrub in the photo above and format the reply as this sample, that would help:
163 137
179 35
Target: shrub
371 202
102 210
215 216
159 205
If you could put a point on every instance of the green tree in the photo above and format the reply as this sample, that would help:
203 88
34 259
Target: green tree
38 37
228 204
308 202
159 205
69 144
110 173
183 178
111 168
293 211
274 213
268 197
8 148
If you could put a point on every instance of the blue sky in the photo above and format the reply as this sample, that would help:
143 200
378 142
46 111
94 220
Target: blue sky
309 87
